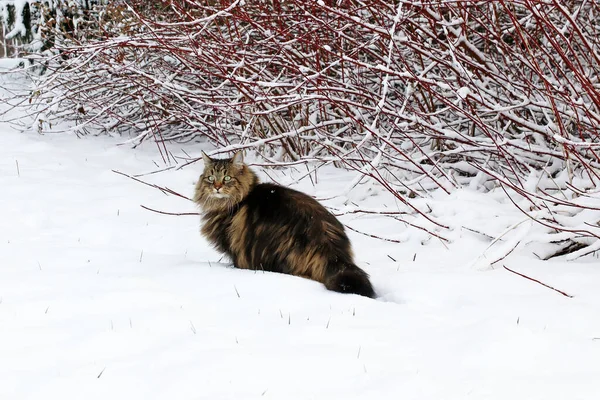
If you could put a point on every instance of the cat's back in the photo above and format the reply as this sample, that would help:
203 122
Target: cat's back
268 200
281 213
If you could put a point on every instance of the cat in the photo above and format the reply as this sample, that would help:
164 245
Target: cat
263 226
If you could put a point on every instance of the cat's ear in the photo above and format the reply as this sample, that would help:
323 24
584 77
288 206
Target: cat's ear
206 158
238 159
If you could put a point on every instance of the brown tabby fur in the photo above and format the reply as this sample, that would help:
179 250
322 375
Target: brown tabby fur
262 226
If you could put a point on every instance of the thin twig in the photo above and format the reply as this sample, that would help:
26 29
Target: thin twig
163 189
507 253
168 213
535 280
373 236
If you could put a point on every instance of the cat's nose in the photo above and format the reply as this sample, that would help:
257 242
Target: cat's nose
218 186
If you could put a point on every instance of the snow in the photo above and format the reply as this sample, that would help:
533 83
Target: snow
19 26
100 298
463 92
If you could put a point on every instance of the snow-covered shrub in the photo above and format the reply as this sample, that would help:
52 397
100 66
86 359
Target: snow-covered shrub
415 96
32 26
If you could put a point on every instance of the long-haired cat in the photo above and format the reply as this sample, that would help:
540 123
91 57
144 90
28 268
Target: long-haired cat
262 226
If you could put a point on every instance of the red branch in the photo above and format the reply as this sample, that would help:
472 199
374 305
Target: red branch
535 280
166 212
163 189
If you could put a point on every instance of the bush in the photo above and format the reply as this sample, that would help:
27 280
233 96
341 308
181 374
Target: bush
415 96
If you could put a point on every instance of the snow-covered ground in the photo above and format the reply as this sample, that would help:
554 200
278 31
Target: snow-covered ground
102 299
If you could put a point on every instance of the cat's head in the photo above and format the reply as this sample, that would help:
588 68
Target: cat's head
223 183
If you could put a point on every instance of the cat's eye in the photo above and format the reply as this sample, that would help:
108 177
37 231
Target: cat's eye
211 178
227 178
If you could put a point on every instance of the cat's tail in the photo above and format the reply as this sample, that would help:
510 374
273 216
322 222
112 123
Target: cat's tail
350 279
